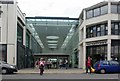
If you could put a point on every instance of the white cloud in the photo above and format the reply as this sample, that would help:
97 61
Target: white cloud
68 8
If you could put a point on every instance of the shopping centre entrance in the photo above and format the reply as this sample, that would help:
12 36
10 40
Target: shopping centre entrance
53 60
54 35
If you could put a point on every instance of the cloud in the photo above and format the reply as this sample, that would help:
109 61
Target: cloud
69 8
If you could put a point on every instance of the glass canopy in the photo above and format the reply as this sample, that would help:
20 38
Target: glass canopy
52 32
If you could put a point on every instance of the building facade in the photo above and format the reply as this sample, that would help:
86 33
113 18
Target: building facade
16 42
99 32
97 35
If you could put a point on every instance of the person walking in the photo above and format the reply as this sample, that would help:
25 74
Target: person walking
66 64
60 63
48 64
88 64
41 66
36 63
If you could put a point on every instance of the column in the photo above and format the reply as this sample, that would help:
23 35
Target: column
109 6
84 14
109 49
109 27
24 35
73 60
30 41
84 32
84 55
80 56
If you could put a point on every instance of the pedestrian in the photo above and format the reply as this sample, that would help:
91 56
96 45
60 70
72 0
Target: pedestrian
88 64
41 66
60 63
37 63
66 63
48 64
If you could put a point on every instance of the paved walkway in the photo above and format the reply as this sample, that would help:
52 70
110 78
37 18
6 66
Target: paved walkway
31 70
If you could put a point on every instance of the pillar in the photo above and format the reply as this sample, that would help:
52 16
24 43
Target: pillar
109 50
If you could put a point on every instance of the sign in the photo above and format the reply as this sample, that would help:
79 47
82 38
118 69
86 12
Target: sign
96 43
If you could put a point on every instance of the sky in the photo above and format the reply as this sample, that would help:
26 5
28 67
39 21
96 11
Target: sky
55 8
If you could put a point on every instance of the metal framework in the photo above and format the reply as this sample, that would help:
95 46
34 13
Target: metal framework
51 22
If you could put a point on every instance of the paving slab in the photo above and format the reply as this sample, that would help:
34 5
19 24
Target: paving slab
35 70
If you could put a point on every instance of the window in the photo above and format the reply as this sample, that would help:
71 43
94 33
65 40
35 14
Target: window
3 52
27 40
104 10
119 29
105 50
102 30
114 8
102 50
115 46
97 12
19 34
88 32
112 29
0 34
118 8
106 29
94 31
97 50
115 28
91 32
114 63
105 63
0 11
97 30
89 13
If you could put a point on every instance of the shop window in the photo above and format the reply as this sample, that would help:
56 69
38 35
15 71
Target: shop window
27 40
102 50
97 52
3 52
19 34
115 49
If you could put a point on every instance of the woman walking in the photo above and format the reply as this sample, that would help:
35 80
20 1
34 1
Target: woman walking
41 66
88 64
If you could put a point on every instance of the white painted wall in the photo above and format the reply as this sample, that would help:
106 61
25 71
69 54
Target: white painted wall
4 25
9 30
